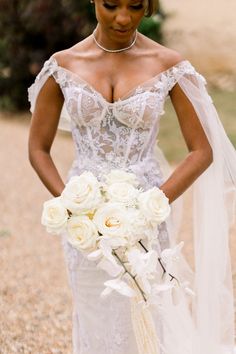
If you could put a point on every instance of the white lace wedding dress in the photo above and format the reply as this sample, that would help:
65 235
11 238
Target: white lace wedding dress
123 135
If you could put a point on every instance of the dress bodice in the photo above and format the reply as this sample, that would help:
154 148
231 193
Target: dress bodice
120 134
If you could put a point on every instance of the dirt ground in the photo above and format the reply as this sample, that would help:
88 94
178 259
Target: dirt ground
35 300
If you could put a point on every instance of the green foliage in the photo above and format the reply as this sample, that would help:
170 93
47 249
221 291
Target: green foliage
152 26
31 30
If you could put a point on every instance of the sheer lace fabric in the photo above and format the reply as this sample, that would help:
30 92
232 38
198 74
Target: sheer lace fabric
123 135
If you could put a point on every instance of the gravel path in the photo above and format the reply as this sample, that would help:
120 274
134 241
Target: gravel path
35 300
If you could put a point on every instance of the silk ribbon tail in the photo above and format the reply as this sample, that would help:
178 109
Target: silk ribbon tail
143 325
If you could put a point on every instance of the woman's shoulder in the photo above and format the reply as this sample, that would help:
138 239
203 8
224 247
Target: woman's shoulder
63 57
166 57
60 56
77 51
170 57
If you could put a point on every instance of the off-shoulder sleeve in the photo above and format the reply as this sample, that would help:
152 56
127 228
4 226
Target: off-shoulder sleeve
50 68
182 69
214 195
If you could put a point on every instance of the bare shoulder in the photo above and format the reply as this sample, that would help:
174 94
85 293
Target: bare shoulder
163 56
64 57
169 57
61 56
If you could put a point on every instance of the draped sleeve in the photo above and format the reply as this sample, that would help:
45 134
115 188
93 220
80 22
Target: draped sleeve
50 68
214 195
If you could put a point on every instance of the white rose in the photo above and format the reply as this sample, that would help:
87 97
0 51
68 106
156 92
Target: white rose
122 192
154 205
82 194
54 216
139 228
121 176
111 220
82 233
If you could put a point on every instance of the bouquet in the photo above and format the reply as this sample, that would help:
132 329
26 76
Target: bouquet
115 223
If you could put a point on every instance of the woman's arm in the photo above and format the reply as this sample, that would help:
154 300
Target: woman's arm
42 133
200 153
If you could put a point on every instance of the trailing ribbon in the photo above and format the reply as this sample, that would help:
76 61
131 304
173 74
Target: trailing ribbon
143 325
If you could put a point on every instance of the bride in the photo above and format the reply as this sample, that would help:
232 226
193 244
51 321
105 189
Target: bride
109 90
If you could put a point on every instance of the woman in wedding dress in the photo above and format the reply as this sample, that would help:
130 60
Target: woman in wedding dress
109 90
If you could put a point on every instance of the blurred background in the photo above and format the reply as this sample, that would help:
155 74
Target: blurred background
35 300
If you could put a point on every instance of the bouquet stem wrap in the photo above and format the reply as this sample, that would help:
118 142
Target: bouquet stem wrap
143 325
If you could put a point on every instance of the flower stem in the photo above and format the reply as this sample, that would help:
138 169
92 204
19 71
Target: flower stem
163 268
140 242
133 277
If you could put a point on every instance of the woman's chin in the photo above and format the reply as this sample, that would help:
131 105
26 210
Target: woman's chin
123 36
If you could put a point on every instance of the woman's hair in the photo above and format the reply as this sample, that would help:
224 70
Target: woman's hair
152 6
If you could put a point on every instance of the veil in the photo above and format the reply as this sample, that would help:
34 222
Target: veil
213 216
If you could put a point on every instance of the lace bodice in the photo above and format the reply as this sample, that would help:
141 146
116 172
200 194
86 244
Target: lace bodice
115 135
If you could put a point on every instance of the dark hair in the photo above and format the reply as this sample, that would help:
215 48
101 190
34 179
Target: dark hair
152 6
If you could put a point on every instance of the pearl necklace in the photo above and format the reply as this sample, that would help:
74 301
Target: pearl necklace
114 50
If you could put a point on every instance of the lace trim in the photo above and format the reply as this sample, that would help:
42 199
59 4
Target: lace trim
151 93
170 77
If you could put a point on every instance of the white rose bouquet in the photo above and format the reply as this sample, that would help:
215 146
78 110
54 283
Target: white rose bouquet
115 223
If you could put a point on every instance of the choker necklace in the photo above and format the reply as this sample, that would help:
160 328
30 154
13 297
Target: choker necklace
114 50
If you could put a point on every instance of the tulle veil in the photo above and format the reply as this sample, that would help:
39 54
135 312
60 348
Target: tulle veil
213 216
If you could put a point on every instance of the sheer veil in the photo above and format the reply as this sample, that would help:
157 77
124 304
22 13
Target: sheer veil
214 200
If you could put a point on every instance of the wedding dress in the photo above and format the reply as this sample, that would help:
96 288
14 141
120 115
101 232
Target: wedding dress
123 135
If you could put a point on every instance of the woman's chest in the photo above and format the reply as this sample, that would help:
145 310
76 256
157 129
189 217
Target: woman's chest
115 78
139 109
